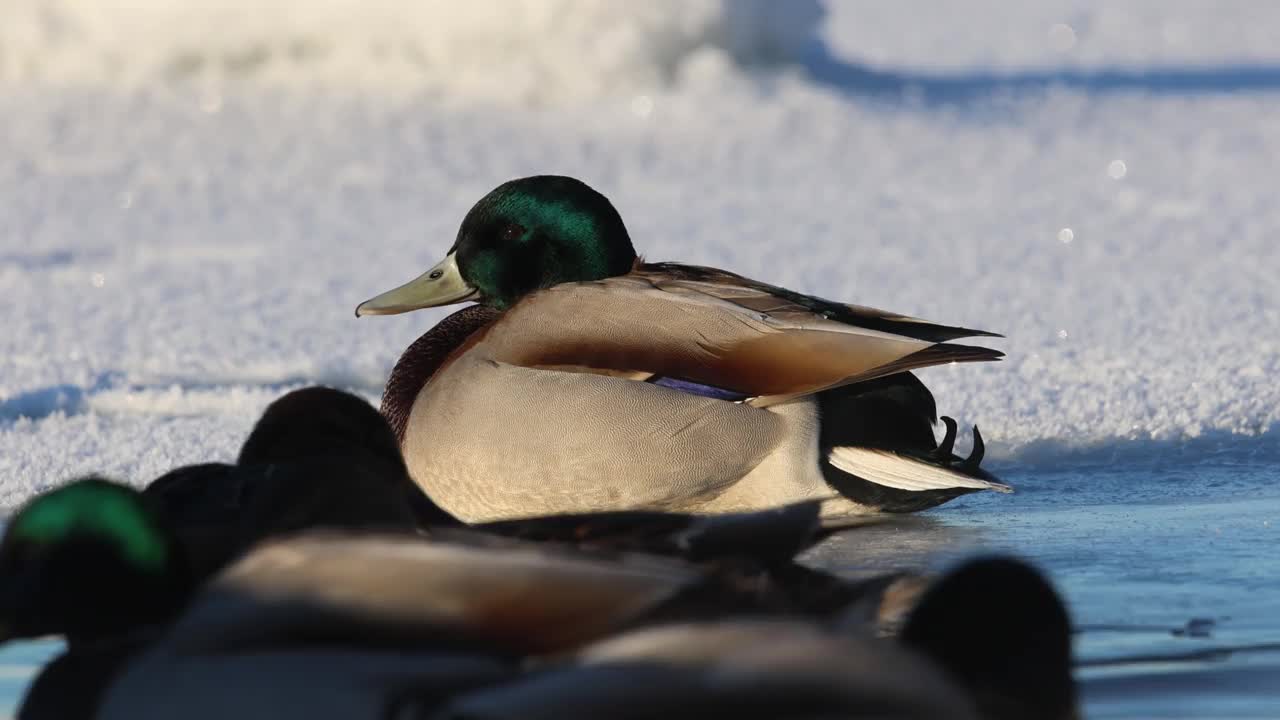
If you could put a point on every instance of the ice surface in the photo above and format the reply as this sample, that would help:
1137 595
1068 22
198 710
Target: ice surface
197 194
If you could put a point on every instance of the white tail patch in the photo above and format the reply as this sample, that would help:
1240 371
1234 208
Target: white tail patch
904 473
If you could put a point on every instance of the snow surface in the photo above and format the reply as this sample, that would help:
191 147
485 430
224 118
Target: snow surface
531 50
195 196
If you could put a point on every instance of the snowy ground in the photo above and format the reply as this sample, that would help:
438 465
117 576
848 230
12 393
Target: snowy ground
196 196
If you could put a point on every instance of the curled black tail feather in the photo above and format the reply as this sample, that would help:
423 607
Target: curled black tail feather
949 440
971 463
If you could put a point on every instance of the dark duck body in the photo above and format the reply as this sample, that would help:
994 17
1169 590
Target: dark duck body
366 613
343 624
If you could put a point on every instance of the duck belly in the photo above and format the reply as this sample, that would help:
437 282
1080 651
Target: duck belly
489 440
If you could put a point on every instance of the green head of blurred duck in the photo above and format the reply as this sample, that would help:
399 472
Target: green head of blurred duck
586 380
87 560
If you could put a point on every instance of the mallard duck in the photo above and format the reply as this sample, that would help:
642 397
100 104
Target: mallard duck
345 625
93 562
371 607
586 379
326 625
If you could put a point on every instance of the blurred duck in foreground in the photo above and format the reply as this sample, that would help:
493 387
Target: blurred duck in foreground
330 624
586 379
315 578
325 626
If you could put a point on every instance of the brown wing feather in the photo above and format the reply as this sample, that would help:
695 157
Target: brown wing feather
940 354
398 590
736 337
767 298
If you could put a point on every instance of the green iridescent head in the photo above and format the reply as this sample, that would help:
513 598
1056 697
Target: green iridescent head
84 559
525 235
94 508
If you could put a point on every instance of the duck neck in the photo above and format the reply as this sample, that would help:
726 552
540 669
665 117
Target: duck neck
412 371
423 358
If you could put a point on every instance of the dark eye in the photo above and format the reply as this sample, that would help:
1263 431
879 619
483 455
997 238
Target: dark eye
512 232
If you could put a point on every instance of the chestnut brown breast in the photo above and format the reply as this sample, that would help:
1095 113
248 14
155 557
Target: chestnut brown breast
424 358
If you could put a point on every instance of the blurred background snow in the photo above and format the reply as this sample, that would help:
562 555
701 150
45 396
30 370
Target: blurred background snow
195 195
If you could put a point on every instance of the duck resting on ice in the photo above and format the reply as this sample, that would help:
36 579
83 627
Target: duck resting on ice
585 379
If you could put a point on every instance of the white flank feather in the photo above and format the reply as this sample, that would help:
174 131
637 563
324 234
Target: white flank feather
904 473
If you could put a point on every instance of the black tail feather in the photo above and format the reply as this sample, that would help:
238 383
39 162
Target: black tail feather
949 440
971 463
